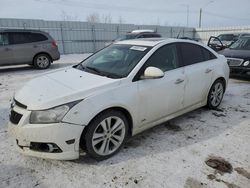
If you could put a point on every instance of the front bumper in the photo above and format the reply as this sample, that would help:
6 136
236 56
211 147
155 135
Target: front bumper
58 133
239 70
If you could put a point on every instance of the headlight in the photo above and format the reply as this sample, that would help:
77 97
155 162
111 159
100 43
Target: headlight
53 115
246 63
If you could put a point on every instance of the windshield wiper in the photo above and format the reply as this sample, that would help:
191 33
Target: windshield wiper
112 75
101 73
94 70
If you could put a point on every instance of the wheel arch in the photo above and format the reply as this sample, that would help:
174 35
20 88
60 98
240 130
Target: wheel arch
117 108
39 53
223 80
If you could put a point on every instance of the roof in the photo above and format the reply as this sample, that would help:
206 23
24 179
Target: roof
143 31
152 41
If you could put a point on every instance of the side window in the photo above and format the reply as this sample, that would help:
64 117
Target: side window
191 54
156 35
37 37
147 36
140 36
3 39
19 38
164 58
207 54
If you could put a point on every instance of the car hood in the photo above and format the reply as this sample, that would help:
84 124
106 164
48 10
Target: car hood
244 54
62 87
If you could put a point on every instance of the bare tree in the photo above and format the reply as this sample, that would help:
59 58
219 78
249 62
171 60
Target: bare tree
107 18
67 17
121 20
93 18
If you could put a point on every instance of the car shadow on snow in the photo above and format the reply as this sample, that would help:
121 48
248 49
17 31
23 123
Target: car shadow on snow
193 127
241 77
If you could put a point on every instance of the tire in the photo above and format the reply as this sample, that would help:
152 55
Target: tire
215 94
42 61
105 135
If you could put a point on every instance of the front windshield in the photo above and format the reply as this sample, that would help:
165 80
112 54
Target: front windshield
241 44
228 37
115 61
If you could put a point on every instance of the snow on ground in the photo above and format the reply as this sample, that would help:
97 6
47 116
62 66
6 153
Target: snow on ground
172 155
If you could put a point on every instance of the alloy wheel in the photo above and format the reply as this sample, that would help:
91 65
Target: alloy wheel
42 61
216 94
108 135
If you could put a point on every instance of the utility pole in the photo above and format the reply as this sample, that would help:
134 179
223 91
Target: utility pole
187 6
200 18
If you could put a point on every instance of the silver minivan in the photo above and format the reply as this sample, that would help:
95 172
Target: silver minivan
32 47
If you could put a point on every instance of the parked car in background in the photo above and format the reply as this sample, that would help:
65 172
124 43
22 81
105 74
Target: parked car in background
139 34
188 38
116 93
32 47
238 56
225 40
136 34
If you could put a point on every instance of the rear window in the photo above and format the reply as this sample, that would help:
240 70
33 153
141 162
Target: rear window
207 54
37 37
23 37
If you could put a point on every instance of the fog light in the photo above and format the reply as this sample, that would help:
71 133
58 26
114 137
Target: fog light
246 63
45 147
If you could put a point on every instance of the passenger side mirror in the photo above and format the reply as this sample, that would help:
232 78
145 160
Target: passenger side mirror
152 73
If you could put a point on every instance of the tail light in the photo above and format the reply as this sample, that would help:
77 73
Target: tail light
54 44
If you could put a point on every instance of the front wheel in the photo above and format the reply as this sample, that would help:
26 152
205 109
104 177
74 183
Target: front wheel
106 134
215 94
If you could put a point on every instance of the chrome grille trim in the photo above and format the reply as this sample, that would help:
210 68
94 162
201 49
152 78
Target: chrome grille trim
234 62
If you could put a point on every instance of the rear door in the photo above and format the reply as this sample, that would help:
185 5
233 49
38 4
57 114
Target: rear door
198 65
26 45
6 52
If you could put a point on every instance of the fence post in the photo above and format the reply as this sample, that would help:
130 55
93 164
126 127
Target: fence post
63 48
93 38
24 25
171 32
117 31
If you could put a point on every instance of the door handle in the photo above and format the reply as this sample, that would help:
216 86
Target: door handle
35 46
208 70
178 81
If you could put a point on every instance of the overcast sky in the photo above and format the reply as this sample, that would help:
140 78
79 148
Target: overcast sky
163 12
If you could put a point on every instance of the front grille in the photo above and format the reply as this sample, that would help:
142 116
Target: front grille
15 117
20 104
234 62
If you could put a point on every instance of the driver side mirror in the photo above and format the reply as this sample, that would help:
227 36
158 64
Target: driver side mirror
152 73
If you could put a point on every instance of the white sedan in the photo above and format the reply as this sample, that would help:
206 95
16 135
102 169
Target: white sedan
116 93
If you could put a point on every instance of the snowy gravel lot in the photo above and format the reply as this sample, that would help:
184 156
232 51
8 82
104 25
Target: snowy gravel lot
172 155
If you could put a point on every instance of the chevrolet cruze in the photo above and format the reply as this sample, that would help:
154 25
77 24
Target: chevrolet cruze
116 93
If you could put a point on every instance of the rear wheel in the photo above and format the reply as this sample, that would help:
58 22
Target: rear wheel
106 134
216 94
42 61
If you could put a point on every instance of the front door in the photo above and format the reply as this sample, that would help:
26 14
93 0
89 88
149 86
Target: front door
161 97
